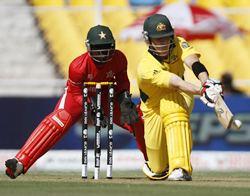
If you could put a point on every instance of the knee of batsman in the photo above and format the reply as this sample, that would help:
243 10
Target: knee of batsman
175 117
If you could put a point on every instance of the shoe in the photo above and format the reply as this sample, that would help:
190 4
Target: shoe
154 176
14 168
179 175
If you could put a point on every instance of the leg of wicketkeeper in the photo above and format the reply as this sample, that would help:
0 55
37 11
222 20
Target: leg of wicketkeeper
136 129
45 136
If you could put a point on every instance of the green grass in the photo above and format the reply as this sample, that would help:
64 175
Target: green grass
124 184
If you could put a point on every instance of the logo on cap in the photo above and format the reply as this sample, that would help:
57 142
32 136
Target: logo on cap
184 45
102 35
161 27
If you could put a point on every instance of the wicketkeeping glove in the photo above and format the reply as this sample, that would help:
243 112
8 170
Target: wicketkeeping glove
128 110
209 92
103 119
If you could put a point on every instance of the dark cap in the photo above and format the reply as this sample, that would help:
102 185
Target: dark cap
157 26
99 35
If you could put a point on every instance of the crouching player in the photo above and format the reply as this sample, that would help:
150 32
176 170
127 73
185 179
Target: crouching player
101 62
167 99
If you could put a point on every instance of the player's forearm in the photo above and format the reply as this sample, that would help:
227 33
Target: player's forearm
189 88
177 83
122 81
197 67
203 77
75 92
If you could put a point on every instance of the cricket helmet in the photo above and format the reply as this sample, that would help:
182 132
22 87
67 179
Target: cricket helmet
100 43
158 26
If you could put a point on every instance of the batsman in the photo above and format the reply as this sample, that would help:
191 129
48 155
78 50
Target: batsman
101 63
167 99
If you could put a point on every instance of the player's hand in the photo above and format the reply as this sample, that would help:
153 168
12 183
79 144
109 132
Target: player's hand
207 102
217 85
210 91
129 113
103 119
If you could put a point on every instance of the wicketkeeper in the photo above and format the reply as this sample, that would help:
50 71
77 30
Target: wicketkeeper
167 99
102 62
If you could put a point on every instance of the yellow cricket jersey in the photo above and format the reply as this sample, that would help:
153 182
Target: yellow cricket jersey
153 76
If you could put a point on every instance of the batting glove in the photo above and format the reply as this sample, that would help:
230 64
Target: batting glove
210 91
217 85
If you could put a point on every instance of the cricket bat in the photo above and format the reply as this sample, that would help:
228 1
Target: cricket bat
225 116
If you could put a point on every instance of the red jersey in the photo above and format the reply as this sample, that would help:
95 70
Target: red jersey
85 69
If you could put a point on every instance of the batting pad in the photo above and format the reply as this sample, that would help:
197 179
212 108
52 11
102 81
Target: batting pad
179 142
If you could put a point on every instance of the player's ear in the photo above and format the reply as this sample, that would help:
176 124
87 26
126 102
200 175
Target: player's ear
145 36
87 44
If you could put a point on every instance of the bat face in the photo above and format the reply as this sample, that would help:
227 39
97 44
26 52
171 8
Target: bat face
223 113
219 111
225 116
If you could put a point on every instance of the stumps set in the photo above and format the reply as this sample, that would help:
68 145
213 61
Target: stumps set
97 144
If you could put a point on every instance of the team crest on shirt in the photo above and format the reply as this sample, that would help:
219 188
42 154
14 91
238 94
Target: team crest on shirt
110 74
185 45
90 77
161 27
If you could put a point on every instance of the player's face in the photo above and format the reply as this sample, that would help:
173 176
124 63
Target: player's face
101 53
161 45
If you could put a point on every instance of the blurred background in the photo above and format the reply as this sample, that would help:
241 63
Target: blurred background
39 38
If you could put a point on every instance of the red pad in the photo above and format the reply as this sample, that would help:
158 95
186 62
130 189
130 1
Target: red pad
48 132
138 129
